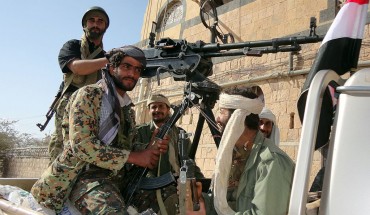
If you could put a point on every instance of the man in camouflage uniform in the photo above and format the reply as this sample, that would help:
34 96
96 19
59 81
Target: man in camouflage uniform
80 62
97 130
160 111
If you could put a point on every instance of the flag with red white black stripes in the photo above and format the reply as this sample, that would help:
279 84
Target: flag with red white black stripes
339 51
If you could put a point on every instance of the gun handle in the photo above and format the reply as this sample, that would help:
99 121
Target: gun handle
192 199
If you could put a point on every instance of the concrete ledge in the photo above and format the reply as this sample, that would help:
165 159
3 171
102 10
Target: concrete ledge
23 183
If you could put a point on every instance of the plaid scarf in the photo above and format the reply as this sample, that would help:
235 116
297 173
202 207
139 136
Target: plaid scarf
110 111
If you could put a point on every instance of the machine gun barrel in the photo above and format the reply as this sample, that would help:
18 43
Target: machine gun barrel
213 47
256 48
183 59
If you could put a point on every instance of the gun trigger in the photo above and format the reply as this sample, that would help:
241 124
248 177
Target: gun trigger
183 171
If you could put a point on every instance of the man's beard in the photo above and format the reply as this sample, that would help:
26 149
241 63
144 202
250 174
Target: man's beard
93 35
121 86
160 120
222 127
268 135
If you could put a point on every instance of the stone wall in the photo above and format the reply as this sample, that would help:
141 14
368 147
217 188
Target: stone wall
2 157
25 162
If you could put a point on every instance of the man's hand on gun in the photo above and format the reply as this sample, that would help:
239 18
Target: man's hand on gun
159 144
149 157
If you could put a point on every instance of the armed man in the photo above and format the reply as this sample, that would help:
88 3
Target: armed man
80 62
160 111
98 130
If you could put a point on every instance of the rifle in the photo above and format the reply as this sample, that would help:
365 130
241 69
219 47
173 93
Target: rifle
188 196
52 108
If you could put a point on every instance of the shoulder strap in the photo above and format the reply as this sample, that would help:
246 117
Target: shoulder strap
70 78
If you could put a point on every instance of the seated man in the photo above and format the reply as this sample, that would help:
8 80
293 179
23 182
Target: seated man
252 175
268 126
160 111
97 130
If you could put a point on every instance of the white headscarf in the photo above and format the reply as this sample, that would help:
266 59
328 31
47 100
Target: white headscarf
275 133
234 128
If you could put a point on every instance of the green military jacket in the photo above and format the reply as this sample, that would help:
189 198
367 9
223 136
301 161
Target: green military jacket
83 148
264 186
170 161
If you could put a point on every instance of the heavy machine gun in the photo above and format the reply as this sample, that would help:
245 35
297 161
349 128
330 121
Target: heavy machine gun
186 61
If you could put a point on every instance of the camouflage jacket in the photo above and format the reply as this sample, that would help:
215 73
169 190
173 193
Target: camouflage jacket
170 161
83 151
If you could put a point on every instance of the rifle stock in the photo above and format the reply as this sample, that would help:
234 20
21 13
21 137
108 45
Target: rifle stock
188 196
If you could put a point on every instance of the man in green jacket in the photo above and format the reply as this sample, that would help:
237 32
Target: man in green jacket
252 175
160 111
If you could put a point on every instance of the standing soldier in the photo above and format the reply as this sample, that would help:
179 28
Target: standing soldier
80 62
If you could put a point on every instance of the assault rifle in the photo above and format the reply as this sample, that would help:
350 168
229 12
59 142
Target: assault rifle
137 175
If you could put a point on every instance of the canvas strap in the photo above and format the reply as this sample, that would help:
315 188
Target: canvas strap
68 80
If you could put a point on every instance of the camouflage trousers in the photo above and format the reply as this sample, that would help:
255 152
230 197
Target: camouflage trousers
145 199
97 197
56 140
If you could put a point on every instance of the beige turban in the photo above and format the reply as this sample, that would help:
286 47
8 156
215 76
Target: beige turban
158 98
234 128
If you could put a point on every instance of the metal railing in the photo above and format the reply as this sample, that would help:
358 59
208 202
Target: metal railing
298 198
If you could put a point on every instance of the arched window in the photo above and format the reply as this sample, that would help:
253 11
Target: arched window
173 14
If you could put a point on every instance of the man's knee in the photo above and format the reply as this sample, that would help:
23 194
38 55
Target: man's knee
101 201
